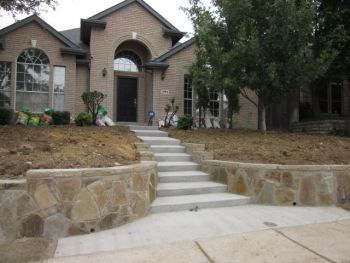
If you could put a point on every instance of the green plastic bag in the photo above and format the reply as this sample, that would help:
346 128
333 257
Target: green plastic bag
49 111
101 111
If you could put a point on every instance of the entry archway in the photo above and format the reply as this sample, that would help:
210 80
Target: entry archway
132 82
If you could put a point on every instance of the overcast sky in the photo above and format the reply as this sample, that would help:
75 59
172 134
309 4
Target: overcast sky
69 12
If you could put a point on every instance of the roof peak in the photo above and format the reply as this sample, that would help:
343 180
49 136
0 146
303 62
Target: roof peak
125 3
42 23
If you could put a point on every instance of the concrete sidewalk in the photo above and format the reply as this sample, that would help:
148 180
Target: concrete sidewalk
164 228
328 242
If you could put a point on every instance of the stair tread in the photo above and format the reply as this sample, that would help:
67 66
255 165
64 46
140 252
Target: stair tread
188 185
201 198
172 154
184 173
168 146
151 138
153 131
177 163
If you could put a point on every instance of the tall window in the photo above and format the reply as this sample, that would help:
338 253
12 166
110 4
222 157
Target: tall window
58 88
127 61
214 102
330 98
5 84
32 85
187 96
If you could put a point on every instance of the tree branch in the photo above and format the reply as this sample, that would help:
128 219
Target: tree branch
245 95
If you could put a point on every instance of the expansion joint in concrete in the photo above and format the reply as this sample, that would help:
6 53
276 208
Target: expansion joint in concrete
203 251
303 246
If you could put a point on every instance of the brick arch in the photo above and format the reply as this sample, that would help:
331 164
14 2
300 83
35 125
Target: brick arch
139 39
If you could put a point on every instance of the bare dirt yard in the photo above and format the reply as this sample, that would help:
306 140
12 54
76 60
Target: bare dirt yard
23 148
274 147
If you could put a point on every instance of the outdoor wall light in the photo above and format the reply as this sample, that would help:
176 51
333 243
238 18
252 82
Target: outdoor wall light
104 72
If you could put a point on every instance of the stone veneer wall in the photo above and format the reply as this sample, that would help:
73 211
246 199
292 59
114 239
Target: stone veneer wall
284 184
60 203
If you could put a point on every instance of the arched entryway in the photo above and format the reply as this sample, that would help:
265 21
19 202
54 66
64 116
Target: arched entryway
132 81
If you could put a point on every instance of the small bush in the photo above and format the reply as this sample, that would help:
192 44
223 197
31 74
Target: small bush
61 117
6 116
93 100
185 122
83 119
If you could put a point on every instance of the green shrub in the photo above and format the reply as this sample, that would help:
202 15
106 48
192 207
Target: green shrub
83 119
93 100
61 117
6 116
185 122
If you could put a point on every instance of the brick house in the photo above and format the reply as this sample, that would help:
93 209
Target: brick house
128 52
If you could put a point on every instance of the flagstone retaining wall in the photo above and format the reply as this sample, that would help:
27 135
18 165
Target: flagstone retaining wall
60 203
284 184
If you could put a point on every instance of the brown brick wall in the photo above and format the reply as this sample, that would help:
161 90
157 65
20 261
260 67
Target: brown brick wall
104 42
83 82
20 39
174 82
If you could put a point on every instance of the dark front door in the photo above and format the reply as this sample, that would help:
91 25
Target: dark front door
127 99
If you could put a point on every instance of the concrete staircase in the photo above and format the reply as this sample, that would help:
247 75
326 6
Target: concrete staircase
181 185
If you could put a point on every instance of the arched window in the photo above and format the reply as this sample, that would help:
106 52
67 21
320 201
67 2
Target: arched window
127 61
32 83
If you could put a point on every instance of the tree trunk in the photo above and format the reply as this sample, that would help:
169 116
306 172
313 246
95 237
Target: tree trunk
315 100
262 115
230 118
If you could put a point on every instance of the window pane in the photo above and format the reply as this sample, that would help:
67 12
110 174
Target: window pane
32 84
36 102
187 96
5 99
5 84
59 80
127 61
58 102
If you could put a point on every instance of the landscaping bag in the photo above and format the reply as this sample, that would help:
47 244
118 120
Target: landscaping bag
102 111
46 120
34 121
108 121
49 111
22 118
100 120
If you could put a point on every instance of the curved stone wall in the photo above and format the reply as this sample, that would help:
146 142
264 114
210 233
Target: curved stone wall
60 203
284 184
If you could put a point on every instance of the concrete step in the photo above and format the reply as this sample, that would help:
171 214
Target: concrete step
187 202
172 157
143 127
150 133
192 188
180 177
167 148
159 140
177 166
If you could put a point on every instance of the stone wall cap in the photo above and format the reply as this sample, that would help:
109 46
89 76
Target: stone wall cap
13 182
279 166
86 172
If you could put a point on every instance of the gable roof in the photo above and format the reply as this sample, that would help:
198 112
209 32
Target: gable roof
42 23
128 2
175 50
74 36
